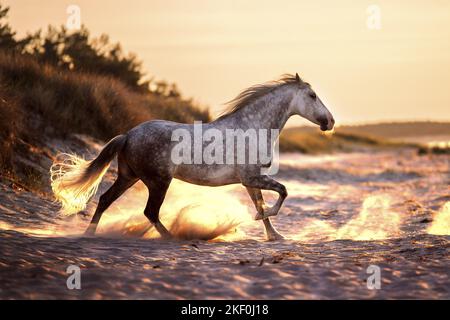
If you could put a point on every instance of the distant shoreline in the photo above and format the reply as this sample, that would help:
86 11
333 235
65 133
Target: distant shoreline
391 129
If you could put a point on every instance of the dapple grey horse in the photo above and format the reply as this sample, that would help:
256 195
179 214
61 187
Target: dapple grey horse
145 153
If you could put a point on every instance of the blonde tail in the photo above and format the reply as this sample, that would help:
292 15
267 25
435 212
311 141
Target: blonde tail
75 180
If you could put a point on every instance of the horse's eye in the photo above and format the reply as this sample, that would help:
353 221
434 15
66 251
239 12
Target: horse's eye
313 95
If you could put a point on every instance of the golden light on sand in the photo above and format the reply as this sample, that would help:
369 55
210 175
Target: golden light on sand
376 221
189 212
441 221
49 230
316 230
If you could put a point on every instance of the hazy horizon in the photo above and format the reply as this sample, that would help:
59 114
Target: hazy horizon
213 49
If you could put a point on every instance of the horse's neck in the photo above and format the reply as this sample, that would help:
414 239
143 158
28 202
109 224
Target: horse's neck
268 112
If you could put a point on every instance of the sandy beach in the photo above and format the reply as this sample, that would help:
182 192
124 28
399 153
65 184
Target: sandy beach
344 213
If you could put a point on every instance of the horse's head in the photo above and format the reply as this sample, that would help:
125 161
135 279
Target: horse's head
308 105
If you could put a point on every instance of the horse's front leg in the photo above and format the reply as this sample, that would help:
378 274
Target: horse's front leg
266 183
258 201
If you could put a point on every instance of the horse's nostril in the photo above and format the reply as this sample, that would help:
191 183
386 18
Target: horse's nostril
323 121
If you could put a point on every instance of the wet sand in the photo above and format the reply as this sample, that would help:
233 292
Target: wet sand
343 214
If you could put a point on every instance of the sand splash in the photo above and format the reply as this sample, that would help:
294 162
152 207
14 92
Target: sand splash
188 211
194 212
441 221
376 221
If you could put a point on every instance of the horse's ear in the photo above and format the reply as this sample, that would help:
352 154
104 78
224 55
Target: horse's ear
297 78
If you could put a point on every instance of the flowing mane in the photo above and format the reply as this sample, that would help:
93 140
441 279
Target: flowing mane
252 93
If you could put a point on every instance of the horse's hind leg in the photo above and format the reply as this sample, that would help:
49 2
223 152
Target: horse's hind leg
124 181
157 189
258 200
114 192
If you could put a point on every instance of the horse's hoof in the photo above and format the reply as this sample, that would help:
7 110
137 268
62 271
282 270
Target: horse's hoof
89 232
164 233
275 237
166 236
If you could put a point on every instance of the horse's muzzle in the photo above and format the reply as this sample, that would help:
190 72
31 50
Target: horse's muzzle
325 123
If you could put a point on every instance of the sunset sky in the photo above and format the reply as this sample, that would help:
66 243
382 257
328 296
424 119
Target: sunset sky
214 49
